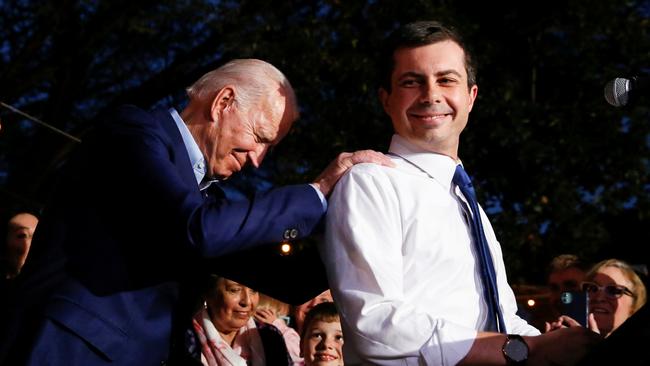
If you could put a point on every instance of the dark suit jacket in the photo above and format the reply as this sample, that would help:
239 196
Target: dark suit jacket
132 225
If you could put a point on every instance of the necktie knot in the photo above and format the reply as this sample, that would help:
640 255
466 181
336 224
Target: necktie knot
462 180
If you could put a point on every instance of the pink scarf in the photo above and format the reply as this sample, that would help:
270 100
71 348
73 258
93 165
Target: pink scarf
247 348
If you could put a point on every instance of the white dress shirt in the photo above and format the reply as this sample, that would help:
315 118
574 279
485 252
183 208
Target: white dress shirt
402 266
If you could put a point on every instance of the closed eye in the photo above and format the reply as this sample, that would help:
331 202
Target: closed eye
409 83
446 81
316 335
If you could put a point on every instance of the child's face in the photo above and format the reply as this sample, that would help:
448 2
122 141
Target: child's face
323 344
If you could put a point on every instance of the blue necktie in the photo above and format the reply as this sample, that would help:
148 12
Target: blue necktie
495 317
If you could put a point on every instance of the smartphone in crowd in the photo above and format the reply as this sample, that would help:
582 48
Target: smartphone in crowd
576 305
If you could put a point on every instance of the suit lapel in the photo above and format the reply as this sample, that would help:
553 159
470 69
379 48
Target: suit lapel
180 156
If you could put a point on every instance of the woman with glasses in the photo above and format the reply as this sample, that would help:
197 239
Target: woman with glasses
615 293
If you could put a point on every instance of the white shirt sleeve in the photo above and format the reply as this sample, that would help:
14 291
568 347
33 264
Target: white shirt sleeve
364 259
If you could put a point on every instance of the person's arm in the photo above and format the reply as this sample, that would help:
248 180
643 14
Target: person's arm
149 176
564 346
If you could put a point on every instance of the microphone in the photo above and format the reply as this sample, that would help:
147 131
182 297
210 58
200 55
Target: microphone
620 91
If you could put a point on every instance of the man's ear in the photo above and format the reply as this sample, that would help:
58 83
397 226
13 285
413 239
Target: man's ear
223 101
473 92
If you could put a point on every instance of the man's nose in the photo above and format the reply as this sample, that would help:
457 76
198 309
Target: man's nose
256 156
430 93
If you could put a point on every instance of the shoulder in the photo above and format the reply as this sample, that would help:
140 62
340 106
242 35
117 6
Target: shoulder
131 123
368 171
375 174
130 112
365 182
132 118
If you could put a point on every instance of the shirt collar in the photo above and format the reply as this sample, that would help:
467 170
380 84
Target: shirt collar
196 156
440 167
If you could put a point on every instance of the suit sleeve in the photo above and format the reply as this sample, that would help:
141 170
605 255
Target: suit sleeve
144 178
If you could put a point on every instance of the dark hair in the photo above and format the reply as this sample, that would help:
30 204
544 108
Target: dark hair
325 311
565 261
418 34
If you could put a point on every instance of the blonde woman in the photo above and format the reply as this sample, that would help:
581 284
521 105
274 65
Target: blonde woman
615 293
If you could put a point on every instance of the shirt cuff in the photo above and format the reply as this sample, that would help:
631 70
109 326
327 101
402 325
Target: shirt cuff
448 345
320 194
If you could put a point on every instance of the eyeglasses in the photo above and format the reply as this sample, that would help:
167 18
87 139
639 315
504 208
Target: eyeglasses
611 291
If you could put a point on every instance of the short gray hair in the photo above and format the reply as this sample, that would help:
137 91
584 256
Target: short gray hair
253 78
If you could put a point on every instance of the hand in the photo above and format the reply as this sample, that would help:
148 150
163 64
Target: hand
563 321
326 181
265 316
591 323
563 346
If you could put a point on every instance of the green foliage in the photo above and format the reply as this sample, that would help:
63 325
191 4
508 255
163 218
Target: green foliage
558 169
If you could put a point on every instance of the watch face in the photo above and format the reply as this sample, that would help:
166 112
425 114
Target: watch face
516 349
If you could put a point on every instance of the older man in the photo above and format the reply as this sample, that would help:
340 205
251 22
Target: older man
140 207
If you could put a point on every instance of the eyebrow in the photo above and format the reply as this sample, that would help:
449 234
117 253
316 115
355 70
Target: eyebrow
265 134
19 227
437 74
267 140
447 72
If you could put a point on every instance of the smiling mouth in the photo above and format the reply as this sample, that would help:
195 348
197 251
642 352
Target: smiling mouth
430 117
242 314
325 357
599 310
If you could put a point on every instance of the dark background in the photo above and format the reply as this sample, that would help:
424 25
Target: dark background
557 168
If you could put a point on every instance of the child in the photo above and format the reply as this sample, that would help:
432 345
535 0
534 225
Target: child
321 341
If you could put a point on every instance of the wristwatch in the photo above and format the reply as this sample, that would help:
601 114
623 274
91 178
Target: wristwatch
515 350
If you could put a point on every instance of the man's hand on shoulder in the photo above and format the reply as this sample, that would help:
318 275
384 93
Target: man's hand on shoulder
326 181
